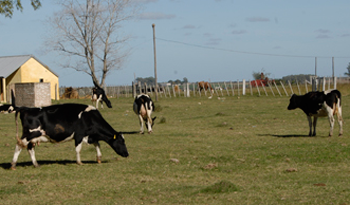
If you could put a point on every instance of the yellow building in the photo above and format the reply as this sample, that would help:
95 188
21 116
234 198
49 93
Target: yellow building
25 69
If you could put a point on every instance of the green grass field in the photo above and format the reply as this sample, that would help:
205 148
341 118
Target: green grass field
236 150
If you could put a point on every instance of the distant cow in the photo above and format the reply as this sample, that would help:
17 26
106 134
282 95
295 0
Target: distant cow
319 104
98 95
6 108
205 85
64 122
143 107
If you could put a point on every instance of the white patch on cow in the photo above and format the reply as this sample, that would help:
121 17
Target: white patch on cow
40 139
38 130
89 108
79 116
85 139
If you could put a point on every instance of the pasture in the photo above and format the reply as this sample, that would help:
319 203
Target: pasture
232 150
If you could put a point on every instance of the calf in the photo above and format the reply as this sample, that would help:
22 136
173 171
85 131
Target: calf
143 107
98 95
64 122
319 104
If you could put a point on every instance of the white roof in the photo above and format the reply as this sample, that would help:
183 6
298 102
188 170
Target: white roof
9 64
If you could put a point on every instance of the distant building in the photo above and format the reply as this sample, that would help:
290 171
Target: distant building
25 69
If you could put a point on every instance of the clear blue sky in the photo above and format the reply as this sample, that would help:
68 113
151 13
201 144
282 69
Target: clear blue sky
216 40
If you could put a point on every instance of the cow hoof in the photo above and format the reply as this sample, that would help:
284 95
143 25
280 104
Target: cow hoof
80 163
13 168
340 135
98 160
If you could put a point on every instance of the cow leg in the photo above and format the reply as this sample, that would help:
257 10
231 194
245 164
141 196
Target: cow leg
98 152
18 150
340 119
78 149
310 125
331 123
141 124
31 152
315 123
149 121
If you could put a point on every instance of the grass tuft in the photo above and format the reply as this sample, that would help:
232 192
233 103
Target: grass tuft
220 187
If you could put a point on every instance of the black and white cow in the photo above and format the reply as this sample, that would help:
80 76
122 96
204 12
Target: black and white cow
319 104
64 122
143 107
98 95
6 108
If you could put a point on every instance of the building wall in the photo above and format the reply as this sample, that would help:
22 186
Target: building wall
31 72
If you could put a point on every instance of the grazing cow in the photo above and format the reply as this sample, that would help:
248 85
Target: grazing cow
143 107
319 104
64 122
98 95
6 108
205 85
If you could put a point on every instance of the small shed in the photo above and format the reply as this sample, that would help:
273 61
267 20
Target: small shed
32 94
25 69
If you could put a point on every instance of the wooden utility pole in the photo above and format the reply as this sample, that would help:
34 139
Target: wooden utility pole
332 67
155 60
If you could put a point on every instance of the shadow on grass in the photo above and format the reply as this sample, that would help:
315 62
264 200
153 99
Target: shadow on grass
285 136
45 162
130 133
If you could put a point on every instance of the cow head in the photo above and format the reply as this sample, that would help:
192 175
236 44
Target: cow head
108 103
292 102
118 144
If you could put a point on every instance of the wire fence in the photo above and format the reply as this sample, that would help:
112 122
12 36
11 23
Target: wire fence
219 89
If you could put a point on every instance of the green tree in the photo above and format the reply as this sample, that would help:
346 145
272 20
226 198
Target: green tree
257 75
347 68
7 6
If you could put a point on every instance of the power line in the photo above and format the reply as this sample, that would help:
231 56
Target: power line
246 52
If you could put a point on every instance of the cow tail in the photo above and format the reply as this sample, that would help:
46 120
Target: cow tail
19 141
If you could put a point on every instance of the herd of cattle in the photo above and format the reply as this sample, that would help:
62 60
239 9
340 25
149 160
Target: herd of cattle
84 123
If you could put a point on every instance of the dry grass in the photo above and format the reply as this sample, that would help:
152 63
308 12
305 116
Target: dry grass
247 150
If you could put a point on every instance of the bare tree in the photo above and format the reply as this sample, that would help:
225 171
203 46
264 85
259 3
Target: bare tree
87 35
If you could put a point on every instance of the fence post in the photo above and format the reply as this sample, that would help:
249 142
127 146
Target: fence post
257 87
262 84
285 91
194 89
250 86
290 86
228 94
233 88
270 86
324 84
277 88
238 88
298 86
243 87
187 90
335 83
